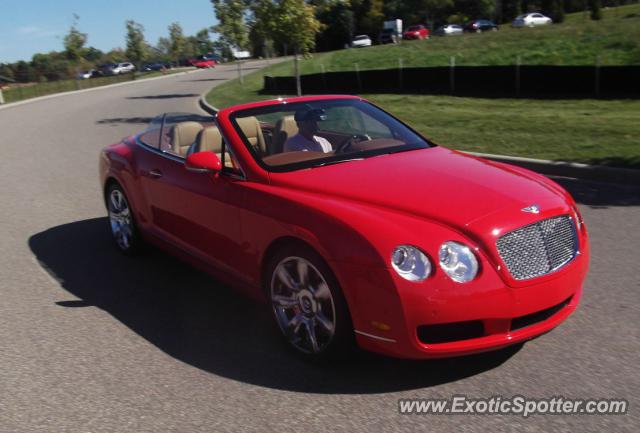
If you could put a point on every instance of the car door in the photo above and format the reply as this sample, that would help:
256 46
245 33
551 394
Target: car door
197 212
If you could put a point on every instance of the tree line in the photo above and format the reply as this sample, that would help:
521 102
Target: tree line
76 56
277 27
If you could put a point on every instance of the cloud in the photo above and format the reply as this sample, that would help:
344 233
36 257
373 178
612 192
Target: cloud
35 31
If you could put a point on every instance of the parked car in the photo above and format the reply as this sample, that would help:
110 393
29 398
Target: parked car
449 29
85 75
318 206
123 68
203 62
416 32
361 41
387 36
478 26
156 66
531 20
107 69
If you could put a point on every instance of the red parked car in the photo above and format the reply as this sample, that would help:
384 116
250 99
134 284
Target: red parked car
203 62
416 32
352 226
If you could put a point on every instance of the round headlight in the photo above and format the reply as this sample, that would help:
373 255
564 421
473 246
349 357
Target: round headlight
458 261
410 263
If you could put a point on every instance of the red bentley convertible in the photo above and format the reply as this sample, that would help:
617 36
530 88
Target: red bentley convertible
352 226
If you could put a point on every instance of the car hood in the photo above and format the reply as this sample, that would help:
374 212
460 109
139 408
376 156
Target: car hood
442 185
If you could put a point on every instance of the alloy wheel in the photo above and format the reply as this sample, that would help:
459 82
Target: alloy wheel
120 219
303 305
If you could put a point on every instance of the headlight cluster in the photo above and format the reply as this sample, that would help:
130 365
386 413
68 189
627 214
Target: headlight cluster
456 260
410 263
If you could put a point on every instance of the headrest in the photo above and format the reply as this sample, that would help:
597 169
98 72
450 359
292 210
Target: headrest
209 139
183 135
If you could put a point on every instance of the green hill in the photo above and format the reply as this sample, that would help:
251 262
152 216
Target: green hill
615 40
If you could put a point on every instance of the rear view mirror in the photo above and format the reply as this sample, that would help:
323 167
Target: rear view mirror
203 162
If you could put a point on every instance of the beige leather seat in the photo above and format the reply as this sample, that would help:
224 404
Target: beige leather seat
209 139
251 129
183 135
285 128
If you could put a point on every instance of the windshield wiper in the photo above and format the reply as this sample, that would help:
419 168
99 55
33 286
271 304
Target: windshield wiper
322 164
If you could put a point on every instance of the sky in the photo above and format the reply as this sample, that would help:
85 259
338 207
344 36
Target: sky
35 26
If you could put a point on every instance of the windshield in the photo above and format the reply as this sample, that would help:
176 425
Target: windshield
291 136
362 37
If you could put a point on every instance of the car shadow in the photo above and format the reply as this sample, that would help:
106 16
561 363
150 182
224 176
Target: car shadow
204 79
165 96
116 120
600 194
195 319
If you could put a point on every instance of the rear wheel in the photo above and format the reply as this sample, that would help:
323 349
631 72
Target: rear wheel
121 221
308 305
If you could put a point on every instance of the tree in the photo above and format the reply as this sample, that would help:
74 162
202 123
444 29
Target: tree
92 54
231 25
340 26
74 41
136 50
511 9
295 22
261 23
555 9
205 45
177 42
23 72
6 71
476 8
595 8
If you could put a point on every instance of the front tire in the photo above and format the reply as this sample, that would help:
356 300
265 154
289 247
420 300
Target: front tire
308 305
121 220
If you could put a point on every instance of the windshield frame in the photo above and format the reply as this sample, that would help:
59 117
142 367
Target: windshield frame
324 161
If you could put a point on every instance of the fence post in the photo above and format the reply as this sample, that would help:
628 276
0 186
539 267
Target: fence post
240 77
1 96
518 61
324 78
452 74
297 68
400 67
358 76
597 77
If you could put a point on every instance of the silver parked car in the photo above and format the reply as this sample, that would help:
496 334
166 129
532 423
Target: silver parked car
123 68
449 30
361 41
532 19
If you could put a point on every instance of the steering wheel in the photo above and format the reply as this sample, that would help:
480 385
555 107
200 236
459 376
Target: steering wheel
356 138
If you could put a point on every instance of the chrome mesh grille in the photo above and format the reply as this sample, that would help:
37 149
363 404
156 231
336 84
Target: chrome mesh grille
539 248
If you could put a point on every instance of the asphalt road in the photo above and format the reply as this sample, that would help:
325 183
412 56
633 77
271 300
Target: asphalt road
91 341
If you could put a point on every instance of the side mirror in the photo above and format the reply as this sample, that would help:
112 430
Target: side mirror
203 162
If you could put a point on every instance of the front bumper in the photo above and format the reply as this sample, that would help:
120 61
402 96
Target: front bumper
445 319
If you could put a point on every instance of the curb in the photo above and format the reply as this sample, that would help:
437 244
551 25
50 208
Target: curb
555 168
204 105
108 86
569 169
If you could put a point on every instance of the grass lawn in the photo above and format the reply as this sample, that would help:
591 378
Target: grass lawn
15 94
603 132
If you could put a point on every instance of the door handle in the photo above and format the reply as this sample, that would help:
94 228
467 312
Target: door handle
155 174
